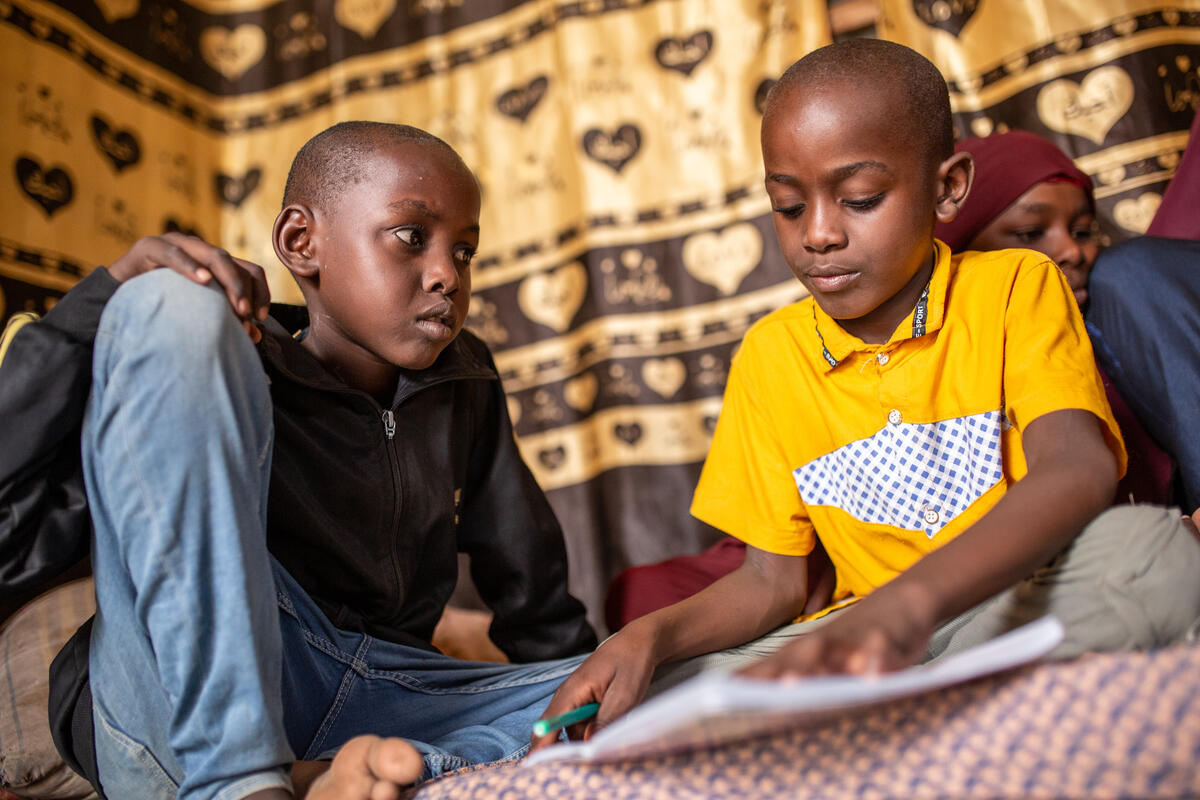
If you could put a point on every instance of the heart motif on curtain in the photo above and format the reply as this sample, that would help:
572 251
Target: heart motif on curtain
234 190
950 16
519 103
628 433
364 17
232 52
114 10
1137 214
1016 64
1089 108
552 298
614 150
119 146
664 375
723 259
552 457
684 55
1125 25
1113 175
51 189
172 225
982 126
580 392
1068 44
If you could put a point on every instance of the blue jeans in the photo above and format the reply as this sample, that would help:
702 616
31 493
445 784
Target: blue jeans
1144 317
211 669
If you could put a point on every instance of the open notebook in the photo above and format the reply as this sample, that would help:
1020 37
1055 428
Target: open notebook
716 708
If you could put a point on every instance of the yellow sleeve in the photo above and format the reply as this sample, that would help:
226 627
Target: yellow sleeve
746 487
1048 360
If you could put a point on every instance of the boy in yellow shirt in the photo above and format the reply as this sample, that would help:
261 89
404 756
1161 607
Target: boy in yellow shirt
935 420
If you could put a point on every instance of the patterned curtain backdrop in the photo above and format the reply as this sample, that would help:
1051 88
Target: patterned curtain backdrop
626 238
1115 83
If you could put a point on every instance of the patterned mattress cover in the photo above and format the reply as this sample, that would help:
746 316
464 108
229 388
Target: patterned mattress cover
1102 726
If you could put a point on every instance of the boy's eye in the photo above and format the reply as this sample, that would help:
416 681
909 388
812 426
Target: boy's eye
1028 235
464 255
1085 229
865 203
413 236
790 211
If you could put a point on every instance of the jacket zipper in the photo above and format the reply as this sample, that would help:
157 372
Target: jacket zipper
389 430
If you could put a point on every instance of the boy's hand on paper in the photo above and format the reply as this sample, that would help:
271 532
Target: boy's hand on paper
244 282
616 676
866 639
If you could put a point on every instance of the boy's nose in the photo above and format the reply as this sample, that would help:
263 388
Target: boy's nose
441 275
821 231
1068 253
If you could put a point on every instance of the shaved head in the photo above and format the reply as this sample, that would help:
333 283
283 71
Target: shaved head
338 157
906 86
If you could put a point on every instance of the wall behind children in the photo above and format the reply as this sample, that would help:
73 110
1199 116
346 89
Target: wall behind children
1115 83
626 238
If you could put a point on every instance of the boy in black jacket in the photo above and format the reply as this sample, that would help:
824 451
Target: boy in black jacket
284 524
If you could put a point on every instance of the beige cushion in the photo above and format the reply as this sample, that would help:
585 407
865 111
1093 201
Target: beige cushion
29 764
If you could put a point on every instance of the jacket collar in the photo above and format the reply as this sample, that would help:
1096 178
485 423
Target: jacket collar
925 318
464 358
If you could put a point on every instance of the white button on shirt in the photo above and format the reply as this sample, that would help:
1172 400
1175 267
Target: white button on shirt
882 358
894 416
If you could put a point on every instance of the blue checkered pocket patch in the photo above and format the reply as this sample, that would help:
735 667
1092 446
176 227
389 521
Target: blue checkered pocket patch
912 476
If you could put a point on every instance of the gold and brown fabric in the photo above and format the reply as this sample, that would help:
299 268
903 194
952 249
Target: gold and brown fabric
1115 83
626 243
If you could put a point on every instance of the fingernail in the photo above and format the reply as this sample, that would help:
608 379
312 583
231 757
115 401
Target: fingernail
203 275
262 313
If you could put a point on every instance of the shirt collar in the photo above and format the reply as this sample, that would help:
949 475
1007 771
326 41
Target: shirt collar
925 318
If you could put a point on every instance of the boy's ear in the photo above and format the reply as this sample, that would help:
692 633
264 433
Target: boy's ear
293 240
955 176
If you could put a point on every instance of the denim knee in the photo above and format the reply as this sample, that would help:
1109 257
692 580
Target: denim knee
163 310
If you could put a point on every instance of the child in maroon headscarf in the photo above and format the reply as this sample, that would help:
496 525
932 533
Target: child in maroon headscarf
1029 194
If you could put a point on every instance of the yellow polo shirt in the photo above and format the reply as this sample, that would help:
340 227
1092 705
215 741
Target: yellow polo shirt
887 451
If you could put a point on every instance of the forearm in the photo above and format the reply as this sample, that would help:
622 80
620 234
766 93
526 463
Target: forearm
765 592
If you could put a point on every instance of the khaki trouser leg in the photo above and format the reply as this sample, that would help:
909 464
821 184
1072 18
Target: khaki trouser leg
1129 581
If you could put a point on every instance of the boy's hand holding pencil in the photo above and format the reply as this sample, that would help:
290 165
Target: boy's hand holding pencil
612 681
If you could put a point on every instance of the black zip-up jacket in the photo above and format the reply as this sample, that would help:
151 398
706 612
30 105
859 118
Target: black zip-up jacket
368 506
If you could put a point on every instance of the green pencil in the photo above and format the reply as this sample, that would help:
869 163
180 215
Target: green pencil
544 726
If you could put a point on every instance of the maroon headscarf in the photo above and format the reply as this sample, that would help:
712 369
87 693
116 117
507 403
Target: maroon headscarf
1176 217
1006 166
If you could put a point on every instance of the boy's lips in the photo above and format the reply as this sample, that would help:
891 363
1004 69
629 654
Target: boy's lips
830 279
439 321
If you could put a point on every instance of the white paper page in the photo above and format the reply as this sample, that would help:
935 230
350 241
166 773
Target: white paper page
712 709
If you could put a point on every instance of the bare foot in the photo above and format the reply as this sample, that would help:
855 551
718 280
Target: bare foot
1192 522
463 633
368 768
